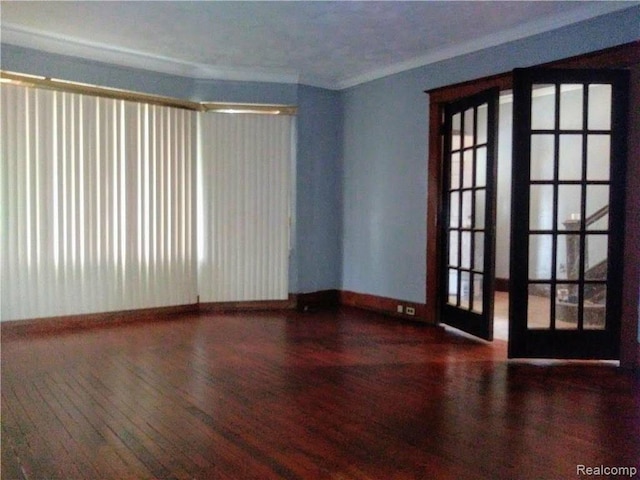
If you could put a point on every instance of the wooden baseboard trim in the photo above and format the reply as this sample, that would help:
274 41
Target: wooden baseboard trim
86 321
384 305
320 300
219 307
305 302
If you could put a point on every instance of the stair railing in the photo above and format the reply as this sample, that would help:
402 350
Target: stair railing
573 245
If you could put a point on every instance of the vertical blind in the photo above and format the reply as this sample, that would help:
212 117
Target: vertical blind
97 204
243 206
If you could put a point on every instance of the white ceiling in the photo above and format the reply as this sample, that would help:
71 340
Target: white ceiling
327 44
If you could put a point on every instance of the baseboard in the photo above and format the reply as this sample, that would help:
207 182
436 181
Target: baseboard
385 305
304 302
320 300
216 307
502 285
91 320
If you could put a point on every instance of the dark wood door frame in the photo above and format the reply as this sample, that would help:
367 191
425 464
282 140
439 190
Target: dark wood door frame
624 56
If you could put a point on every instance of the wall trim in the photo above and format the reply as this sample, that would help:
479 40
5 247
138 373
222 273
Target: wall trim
320 300
47 325
384 305
303 302
247 306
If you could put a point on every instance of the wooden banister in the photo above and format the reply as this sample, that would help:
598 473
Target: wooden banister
597 215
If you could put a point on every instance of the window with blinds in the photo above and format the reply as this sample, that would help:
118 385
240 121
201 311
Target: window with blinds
98 204
112 204
243 209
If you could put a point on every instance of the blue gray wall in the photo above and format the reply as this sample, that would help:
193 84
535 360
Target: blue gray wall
385 188
318 216
385 152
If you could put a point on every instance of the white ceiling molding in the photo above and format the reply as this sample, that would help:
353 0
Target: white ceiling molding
591 10
62 45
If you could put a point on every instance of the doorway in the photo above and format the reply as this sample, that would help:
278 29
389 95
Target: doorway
563 269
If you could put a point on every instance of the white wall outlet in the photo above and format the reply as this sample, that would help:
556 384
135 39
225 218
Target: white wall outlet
399 308
410 311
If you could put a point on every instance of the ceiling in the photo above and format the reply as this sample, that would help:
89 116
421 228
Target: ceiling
322 43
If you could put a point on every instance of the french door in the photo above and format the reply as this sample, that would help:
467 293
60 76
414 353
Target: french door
467 261
567 213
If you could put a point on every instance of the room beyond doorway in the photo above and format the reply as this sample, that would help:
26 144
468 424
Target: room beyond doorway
503 216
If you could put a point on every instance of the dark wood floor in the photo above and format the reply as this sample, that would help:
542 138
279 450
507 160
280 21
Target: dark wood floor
346 395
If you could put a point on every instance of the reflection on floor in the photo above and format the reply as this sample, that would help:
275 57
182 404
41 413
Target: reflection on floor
501 316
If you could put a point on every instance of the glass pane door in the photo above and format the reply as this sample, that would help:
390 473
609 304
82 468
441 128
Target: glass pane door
469 202
567 213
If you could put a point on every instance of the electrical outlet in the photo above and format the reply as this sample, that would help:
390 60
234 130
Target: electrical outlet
410 311
399 309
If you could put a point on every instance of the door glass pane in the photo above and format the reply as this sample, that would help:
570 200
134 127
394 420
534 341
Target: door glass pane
453 287
477 293
595 306
480 208
465 290
597 207
478 260
468 127
598 157
481 166
543 106
567 307
453 248
597 246
569 207
541 207
467 168
454 209
539 307
542 157
466 209
455 171
571 106
599 107
482 124
540 251
568 257
570 154
465 257
455 132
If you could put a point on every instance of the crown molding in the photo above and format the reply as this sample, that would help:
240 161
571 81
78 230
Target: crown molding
547 24
62 45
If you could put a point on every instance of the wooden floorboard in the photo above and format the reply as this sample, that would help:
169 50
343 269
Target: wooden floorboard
337 395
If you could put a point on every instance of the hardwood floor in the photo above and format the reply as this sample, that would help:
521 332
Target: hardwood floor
341 395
